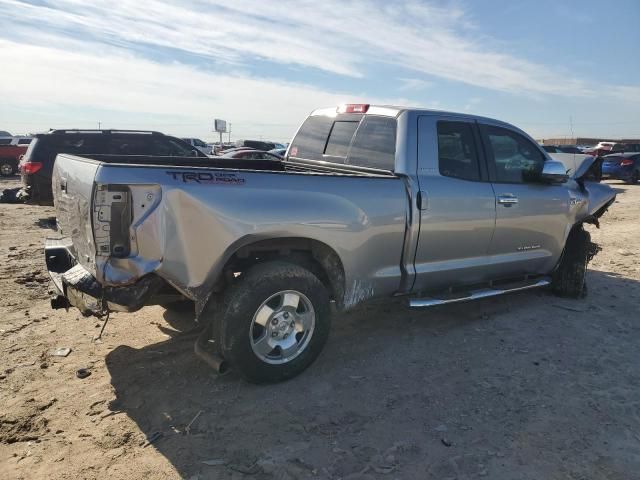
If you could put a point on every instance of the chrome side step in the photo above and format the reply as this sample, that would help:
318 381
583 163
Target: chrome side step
476 294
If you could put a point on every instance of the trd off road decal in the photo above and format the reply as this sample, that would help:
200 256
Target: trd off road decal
222 178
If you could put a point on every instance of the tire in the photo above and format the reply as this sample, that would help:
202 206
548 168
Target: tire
569 278
274 322
6 169
634 178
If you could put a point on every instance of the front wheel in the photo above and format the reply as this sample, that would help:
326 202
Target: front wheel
274 322
569 277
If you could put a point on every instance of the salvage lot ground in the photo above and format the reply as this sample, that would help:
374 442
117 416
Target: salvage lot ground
526 386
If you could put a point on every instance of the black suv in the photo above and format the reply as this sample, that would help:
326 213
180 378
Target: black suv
36 166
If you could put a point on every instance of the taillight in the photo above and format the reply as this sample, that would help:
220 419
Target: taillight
626 162
30 168
353 108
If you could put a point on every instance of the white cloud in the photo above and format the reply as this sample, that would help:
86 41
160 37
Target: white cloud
116 82
336 36
120 57
413 84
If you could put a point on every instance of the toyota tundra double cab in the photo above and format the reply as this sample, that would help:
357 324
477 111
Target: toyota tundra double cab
368 202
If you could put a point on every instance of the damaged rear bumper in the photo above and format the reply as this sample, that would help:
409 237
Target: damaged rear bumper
76 286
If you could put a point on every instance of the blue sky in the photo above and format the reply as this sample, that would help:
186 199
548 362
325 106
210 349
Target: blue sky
549 67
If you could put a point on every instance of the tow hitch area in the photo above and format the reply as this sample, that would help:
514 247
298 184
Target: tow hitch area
77 287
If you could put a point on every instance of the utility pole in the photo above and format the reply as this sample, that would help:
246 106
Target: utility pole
229 132
99 123
571 125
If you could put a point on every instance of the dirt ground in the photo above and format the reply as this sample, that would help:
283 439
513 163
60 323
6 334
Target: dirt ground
527 386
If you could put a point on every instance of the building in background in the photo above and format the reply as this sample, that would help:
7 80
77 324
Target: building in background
584 140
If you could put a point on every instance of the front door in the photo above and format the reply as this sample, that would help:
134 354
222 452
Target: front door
532 218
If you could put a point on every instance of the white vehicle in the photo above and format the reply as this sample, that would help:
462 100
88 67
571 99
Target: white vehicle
605 145
200 145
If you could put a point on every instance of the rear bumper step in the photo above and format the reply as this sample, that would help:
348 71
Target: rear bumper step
477 294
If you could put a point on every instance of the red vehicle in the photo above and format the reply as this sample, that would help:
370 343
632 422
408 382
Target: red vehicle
9 157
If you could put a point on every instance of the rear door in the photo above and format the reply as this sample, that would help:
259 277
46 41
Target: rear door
44 149
457 204
532 218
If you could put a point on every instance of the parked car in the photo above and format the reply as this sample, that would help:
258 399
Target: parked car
233 149
561 149
370 202
251 154
15 140
199 145
257 144
625 166
36 166
632 147
606 148
279 151
9 157
5 137
12 148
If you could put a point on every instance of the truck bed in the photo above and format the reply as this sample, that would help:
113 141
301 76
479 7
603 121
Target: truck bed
183 218
234 164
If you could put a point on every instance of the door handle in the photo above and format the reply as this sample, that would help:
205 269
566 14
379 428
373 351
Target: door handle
507 200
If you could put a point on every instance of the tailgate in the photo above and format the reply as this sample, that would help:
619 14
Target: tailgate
72 183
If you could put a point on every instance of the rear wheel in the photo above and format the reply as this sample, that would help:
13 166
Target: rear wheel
6 168
274 322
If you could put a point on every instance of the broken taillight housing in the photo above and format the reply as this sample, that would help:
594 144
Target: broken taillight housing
111 220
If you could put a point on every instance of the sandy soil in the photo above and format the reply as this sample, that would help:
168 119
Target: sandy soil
527 386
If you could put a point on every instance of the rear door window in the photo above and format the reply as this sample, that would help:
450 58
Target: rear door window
170 147
374 145
131 145
340 139
457 153
312 137
77 144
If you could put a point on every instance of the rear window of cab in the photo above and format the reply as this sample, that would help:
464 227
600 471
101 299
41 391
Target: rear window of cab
368 141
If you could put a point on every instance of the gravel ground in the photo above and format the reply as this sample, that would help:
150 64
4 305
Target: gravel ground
527 386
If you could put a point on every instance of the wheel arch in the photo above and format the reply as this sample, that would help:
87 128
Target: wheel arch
314 255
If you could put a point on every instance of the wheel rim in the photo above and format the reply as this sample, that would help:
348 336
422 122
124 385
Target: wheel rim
282 327
6 169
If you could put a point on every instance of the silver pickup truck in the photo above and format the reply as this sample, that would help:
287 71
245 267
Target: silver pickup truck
369 202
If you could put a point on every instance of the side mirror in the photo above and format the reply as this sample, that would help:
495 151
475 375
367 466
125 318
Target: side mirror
554 172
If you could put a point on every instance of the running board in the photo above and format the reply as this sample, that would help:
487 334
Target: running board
476 294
